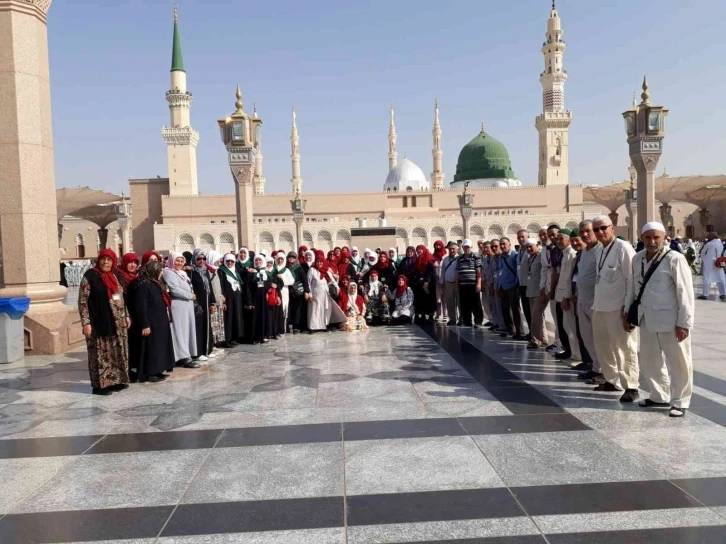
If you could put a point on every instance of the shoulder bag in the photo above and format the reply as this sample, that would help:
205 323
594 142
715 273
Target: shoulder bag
633 310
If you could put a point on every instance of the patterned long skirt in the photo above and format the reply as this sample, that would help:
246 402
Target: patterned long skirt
108 360
217 321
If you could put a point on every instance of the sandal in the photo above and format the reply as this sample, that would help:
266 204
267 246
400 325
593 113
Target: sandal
677 412
191 364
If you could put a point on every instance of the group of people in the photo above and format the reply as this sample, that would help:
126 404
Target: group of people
142 318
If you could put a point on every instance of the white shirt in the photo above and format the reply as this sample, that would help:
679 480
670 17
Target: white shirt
614 270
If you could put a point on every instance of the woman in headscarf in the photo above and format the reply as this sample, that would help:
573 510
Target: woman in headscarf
408 263
258 284
216 318
298 308
153 350
438 259
354 308
356 260
404 302
393 256
322 309
244 262
345 267
376 297
386 271
202 284
283 278
183 328
332 263
301 254
151 255
187 261
127 270
105 323
231 285
422 280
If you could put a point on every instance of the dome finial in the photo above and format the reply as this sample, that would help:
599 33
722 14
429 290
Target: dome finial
238 104
254 110
645 95
176 13
553 5
482 126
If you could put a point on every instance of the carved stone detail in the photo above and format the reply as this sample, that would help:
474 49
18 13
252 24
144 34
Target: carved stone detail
243 174
647 161
180 136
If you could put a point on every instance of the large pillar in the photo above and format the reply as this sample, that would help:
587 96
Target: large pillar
28 221
102 238
614 218
243 195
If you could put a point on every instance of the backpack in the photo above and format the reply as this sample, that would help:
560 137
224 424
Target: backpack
273 298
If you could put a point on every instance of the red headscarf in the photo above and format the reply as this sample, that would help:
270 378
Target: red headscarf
109 278
146 257
323 267
423 259
127 259
301 254
345 299
344 282
401 289
383 261
439 251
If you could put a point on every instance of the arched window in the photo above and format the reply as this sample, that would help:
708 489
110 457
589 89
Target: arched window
419 237
307 239
456 232
533 228
401 239
495 231
342 238
438 233
185 242
572 225
324 241
226 243
477 232
513 229
287 242
206 241
266 242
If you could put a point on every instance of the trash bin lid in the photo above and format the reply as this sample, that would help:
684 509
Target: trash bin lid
14 307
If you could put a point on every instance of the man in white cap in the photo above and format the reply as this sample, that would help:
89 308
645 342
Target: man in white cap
712 250
616 347
662 282
468 280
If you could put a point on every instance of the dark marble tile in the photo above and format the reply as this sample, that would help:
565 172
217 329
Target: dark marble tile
249 516
173 440
680 535
431 506
525 399
405 428
544 423
711 383
710 491
46 447
602 497
708 409
283 434
84 525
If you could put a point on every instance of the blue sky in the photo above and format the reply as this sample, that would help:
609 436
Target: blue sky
342 63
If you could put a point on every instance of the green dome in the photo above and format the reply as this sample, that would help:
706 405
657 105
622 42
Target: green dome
483 157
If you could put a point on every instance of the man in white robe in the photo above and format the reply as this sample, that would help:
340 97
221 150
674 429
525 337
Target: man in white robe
710 252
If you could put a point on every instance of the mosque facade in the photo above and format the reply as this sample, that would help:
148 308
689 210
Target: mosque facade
170 213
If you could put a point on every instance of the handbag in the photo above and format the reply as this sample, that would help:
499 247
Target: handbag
297 289
634 307
333 290
198 310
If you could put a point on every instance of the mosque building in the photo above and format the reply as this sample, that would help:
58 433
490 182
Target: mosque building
170 213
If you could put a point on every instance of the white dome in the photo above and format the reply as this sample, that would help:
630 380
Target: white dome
500 184
406 176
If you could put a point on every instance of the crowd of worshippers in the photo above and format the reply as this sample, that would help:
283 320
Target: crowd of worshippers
622 320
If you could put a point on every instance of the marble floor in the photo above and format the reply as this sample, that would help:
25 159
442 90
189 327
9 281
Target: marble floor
409 434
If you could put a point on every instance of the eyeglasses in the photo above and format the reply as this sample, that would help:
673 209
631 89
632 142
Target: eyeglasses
201 258
601 228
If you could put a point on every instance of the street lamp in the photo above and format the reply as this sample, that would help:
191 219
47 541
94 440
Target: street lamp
240 134
298 216
466 200
645 129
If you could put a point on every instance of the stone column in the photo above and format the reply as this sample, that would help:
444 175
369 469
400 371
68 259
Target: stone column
614 218
632 208
298 232
28 221
243 195
124 223
103 237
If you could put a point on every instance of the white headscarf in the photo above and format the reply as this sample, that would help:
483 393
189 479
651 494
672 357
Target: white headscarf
355 260
247 252
212 257
232 275
374 287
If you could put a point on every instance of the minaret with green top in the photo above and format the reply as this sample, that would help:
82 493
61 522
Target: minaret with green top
181 139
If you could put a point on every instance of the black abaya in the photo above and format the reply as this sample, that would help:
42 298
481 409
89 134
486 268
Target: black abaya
233 320
297 312
256 295
203 325
153 354
424 303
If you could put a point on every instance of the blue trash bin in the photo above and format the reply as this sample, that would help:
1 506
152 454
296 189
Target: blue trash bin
12 344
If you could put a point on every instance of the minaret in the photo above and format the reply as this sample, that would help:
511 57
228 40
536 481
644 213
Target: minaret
295 140
258 180
181 139
554 122
437 176
392 152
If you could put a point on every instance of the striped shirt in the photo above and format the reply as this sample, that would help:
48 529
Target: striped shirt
466 266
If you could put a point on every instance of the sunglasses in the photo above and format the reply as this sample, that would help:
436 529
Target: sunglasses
201 258
602 228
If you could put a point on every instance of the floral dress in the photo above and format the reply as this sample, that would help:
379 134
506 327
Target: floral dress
376 307
108 356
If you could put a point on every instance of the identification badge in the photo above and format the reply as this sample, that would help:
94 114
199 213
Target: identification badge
260 284
116 296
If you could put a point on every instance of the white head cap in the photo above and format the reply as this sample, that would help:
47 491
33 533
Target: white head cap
530 242
466 243
653 225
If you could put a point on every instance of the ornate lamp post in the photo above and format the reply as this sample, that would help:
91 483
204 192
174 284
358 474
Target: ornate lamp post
631 204
298 215
466 200
240 134
645 128
124 210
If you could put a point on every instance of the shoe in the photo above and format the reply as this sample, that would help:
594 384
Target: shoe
101 391
528 337
152 379
607 386
520 338
295 331
202 358
503 335
119 387
630 395
561 356
598 379
677 412
162 376
488 324
532 346
191 364
212 355
477 325
702 298
647 403
588 375
582 367
722 297
267 340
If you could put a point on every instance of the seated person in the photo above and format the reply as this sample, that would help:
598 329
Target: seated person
403 305
376 298
354 308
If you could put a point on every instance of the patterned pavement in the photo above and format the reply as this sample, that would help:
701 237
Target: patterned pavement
399 435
